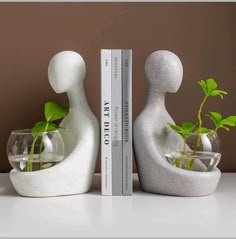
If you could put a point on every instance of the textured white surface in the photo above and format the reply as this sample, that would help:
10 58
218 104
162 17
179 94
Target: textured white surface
141 215
66 74
153 138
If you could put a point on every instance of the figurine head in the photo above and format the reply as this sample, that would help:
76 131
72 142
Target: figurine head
164 71
65 71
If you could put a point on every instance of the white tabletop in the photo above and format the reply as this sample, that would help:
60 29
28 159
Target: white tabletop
142 215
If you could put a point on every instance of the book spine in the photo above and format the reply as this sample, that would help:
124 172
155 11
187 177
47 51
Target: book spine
127 122
116 122
106 143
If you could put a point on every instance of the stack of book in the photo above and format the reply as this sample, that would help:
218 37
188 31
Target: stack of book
116 121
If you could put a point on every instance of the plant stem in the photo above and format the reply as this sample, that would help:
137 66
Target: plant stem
41 146
199 116
184 147
185 159
191 164
187 164
200 112
200 123
177 163
40 151
31 156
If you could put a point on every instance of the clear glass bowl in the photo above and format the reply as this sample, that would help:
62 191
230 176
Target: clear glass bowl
27 153
200 152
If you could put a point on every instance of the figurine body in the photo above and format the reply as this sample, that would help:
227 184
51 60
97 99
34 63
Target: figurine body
74 175
153 139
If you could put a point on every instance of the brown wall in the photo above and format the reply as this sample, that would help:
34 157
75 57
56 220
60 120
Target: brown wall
203 35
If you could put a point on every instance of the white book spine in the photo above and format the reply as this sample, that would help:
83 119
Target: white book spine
106 141
127 122
116 117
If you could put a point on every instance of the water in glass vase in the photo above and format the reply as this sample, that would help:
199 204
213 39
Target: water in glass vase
20 162
194 161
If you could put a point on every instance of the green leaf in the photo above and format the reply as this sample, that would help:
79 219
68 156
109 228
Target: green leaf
42 127
221 123
211 85
184 130
220 93
187 125
203 85
53 111
230 121
225 128
215 117
232 118
175 127
210 88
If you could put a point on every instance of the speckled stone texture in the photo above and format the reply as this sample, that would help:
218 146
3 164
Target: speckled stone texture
81 132
153 139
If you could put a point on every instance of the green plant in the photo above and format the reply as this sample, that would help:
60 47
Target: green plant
184 130
52 112
209 88
219 122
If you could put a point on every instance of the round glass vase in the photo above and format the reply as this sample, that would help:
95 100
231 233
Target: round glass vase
29 153
199 152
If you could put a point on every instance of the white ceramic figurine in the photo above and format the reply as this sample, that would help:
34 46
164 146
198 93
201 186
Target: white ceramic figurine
74 175
152 137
